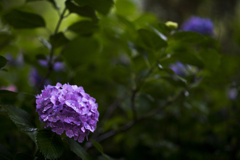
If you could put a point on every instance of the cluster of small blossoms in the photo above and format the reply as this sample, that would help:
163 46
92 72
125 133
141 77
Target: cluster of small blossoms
199 25
68 108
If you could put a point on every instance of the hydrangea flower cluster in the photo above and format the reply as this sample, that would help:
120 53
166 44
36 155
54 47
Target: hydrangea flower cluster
199 25
68 108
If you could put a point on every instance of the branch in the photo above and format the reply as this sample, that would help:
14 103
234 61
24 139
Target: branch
133 122
106 116
135 91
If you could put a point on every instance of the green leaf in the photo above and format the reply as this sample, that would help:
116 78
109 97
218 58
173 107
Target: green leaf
23 20
22 156
163 28
78 150
168 70
125 7
188 37
21 119
5 39
3 61
127 23
211 59
102 6
83 27
98 146
5 154
80 51
151 39
58 40
176 81
85 11
51 1
8 97
49 143
107 157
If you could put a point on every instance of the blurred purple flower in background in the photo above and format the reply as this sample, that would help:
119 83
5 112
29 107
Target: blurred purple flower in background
58 66
14 61
199 25
68 108
179 68
232 94
35 79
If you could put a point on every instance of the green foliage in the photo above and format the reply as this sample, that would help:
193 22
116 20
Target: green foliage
83 27
22 156
4 153
78 150
58 40
102 6
84 11
151 40
22 120
123 57
49 143
80 50
188 37
3 61
5 39
23 20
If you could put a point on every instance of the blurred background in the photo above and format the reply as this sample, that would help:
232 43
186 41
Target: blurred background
106 61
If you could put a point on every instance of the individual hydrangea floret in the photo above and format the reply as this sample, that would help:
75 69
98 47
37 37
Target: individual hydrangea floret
199 25
68 108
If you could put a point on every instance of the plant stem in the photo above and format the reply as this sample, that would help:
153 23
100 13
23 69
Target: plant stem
51 62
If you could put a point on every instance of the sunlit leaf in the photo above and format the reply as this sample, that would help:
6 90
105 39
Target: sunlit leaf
51 1
125 7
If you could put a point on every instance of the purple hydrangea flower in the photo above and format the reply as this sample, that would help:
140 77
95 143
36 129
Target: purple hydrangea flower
58 66
68 108
199 25
179 68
